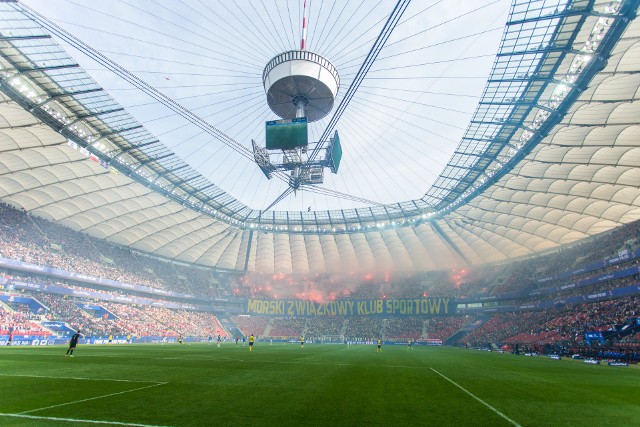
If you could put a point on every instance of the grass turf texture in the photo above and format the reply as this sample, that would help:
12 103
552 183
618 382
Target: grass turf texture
199 385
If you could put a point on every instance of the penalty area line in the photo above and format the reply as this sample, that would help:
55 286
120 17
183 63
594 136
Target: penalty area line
77 420
91 398
478 399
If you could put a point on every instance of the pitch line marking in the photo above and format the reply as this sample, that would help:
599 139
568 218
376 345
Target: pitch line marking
342 364
91 398
478 399
76 420
57 354
76 378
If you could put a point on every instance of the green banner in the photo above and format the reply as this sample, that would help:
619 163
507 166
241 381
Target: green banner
375 307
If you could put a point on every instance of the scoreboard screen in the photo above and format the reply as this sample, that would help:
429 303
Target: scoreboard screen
286 134
335 153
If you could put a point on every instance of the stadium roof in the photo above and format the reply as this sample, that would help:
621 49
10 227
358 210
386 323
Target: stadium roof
549 157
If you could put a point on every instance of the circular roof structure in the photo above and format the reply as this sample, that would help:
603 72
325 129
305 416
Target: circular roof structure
543 153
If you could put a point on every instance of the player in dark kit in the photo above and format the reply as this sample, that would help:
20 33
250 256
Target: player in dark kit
73 343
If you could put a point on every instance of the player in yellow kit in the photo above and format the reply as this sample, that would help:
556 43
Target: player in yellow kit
301 343
251 341
379 349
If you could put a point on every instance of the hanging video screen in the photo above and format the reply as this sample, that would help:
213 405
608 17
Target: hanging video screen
286 134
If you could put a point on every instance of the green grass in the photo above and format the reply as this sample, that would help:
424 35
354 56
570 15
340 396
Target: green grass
323 385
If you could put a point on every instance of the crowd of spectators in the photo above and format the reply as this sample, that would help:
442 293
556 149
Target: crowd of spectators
38 241
20 322
251 324
496 280
632 340
560 324
444 327
64 309
504 325
524 275
199 323
404 328
35 240
363 328
112 319
359 328
318 327
287 327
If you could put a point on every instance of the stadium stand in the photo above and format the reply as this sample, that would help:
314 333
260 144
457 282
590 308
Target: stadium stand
362 328
443 328
41 242
559 324
287 328
319 327
251 324
38 241
20 322
403 329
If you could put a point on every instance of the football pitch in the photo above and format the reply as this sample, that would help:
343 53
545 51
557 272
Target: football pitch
199 385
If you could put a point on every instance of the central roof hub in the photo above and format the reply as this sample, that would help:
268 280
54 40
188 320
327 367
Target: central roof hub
300 75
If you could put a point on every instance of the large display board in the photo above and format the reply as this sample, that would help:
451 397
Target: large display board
335 153
286 134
